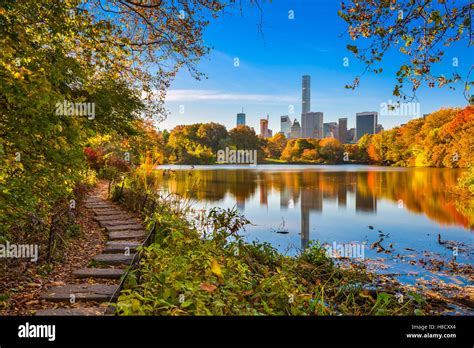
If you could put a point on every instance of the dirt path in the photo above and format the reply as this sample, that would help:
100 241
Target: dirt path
88 277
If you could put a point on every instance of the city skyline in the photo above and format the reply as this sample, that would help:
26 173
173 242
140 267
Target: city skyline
312 122
241 117
267 79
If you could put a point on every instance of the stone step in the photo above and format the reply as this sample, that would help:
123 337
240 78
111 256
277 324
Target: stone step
93 199
81 292
120 216
117 222
99 202
105 273
99 205
72 311
104 207
115 211
114 259
124 235
120 247
125 227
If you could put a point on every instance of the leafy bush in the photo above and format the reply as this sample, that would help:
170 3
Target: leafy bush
211 270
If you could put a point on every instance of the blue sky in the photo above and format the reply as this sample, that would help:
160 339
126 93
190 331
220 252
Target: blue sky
268 78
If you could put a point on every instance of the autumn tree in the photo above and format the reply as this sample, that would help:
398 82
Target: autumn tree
244 138
212 135
275 145
119 56
442 139
459 133
331 150
186 146
418 29
301 149
363 145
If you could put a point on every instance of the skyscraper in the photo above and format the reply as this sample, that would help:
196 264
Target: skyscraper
343 130
306 94
285 125
241 118
295 130
312 125
366 123
264 131
263 127
351 136
378 129
331 130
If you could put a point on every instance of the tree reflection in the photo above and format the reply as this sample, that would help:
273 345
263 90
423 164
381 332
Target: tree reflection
419 190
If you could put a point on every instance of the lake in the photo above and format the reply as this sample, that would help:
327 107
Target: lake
403 209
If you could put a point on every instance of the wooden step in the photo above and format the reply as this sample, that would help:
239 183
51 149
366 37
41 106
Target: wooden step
128 227
90 311
81 292
105 273
114 259
124 235
120 246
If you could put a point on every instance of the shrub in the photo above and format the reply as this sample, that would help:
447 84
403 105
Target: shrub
208 269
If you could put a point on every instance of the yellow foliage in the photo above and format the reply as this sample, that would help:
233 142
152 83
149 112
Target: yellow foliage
215 268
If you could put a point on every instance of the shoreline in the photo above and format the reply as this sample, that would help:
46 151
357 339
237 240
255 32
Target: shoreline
162 249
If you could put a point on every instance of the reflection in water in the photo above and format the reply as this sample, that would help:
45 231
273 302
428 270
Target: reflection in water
420 190
404 209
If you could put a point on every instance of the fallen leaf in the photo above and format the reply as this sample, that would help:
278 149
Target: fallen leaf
207 287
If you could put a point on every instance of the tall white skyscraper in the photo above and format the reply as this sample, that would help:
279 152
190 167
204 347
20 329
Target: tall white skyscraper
306 95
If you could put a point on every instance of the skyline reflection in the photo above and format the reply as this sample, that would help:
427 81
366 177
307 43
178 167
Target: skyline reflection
361 189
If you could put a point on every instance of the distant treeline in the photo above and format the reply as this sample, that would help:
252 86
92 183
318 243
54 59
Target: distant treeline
444 138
